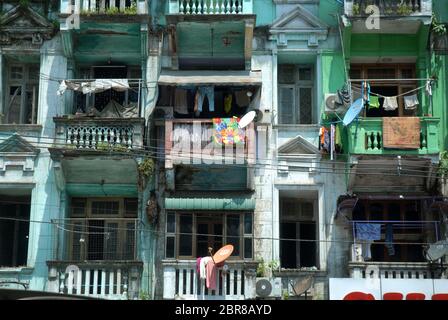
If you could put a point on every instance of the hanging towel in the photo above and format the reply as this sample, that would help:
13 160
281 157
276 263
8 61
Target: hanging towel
203 267
241 99
198 265
368 231
411 102
374 102
211 275
228 103
180 101
390 239
338 139
428 88
390 103
366 250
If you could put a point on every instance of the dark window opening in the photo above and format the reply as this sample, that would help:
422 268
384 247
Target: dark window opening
14 232
298 234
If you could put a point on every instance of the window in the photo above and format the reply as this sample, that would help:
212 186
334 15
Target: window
22 94
296 90
298 229
14 233
100 100
189 235
102 229
404 222
386 87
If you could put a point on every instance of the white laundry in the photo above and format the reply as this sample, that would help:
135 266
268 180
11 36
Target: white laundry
390 103
98 85
202 267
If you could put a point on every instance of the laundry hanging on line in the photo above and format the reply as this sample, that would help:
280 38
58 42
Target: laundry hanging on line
411 102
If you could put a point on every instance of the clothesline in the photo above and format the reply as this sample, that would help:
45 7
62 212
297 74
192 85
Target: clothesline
358 90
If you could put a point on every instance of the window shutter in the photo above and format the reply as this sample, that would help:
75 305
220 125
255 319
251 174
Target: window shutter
306 103
286 105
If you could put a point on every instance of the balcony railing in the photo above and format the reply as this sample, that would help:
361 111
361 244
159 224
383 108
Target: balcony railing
354 8
366 137
181 281
108 7
106 280
392 270
190 141
99 133
209 7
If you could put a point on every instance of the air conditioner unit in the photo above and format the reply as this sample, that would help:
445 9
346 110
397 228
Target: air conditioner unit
268 287
331 105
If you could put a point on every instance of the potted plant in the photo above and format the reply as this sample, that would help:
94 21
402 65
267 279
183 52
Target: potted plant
439 37
404 9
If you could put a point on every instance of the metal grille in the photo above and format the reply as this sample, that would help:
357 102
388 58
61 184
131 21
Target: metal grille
97 239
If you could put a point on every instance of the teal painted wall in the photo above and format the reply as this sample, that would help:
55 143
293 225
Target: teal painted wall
265 12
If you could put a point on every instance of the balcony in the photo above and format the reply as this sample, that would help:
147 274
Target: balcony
403 256
190 141
366 138
397 16
358 8
210 7
102 134
115 280
181 281
104 7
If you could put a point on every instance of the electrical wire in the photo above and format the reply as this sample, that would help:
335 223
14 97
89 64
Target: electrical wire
251 236
200 156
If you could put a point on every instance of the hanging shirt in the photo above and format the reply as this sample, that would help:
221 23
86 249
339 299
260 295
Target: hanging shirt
180 101
411 102
368 231
228 103
374 102
390 103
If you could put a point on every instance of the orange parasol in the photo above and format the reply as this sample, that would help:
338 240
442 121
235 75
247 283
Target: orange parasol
222 254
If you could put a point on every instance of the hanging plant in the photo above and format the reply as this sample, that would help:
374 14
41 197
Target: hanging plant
145 170
439 36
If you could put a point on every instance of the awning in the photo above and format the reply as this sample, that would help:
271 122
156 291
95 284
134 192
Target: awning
237 203
217 78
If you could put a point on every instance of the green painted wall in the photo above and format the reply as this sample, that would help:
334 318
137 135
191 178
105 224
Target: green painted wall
384 45
328 11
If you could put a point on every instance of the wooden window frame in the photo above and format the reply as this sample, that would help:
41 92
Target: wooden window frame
122 219
402 86
195 215
24 83
299 220
296 86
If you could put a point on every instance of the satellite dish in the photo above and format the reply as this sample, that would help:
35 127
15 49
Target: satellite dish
302 285
223 254
352 112
263 288
437 250
246 119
